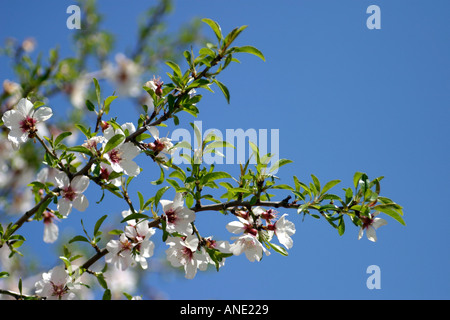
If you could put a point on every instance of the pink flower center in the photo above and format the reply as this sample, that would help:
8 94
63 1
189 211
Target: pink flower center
69 193
187 253
28 125
157 146
366 222
59 290
104 174
115 156
171 216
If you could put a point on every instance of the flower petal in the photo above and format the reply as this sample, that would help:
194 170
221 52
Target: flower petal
80 183
64 206
62 180
81 202
43 114
25 107
12 118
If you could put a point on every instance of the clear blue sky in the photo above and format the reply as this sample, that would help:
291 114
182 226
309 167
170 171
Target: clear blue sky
345 99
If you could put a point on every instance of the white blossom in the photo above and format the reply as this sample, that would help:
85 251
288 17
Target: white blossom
249 245
72 193
51 230
120 252
121 157
371 224
125 75
22 121
283 229
57 285
178 217
185 253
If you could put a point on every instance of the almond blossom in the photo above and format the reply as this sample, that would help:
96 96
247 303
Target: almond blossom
121 157
371 224
183 252
22 121
51 230
178 218
125 75
249 245
120 252
162 145
57 285
71 193
283 229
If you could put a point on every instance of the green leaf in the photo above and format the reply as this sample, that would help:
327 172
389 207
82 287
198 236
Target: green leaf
98 224
251 50
62 136
279 164
278 248
329 185
159 194
97 91
79 238
316 183
391 209
214 176
108 103
114 142
215 27
4 274
90 106
80 149
175 67
224 89
161 177
356 178
135 216
107 295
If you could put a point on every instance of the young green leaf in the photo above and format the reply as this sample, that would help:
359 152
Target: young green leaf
251 50
114 142
215 27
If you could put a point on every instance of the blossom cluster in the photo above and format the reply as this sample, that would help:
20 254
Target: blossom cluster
258 226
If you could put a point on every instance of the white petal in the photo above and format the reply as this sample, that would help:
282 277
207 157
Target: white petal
371 234
130 167
235 227
167 205
129 150
178 200
62 180
154 132
43 114
12 119
80 183
64 206
50 232
17 136
378 222
360 233
81 202
25 107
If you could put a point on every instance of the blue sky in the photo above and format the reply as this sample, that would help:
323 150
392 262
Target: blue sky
345 99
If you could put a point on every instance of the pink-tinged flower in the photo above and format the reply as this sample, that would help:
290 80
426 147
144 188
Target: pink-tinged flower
22 121
139 234
163 146
178 218
283 229
51 230
249 245
371 224
120 252
121 157
242 226
57 285
71 193
183 252
125 75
